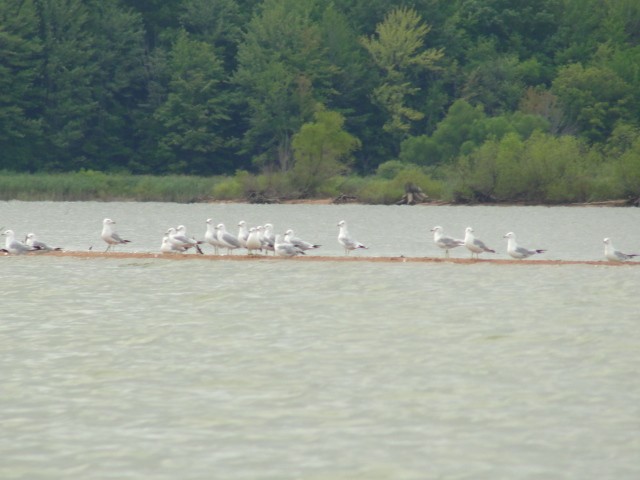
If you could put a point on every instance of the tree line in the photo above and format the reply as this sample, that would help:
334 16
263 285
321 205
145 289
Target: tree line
486 99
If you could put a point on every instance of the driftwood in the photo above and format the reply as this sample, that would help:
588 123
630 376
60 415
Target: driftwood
342 198
412 194
260 198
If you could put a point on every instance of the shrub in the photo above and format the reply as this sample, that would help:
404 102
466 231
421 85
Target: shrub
380 191
390 169
228 189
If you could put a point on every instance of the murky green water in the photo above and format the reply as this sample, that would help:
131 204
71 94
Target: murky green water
285 370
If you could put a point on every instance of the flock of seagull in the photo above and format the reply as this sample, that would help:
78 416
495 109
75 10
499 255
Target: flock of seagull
262 238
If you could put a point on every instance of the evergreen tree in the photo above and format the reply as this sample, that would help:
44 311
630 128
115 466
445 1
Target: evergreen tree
20 49
195 108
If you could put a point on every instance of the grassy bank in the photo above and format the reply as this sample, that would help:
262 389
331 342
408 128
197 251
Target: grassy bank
473 180
90 185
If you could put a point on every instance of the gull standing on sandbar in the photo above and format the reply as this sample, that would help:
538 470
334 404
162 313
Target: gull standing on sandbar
518 252
268 238
445 242
290 237
253 241
473 244
346 240
614 255
211 236
226 239
109 236
178 237
285 249
16 247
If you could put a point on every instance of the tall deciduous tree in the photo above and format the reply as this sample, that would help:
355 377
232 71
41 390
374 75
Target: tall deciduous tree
399 52
594 98
283 73
321 148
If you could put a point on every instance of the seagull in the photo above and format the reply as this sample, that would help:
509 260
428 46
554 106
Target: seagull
268 238
168 246
243 233
473 244
346 240
14 246
518 252
211 236
286 249
614 255
109 236
178 237
226 239
32 241
253 241
289 237
444 242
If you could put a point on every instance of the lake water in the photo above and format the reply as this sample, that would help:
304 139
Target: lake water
140 369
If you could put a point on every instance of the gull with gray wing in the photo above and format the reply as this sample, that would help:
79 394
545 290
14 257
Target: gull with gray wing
474 245
445 242
516 251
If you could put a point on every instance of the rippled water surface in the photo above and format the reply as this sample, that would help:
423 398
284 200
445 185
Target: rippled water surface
143 369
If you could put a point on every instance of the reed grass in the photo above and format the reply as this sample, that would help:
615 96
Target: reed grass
91 185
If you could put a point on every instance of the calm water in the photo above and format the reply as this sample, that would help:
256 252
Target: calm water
144 369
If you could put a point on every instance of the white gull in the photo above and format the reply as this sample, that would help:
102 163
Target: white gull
346 240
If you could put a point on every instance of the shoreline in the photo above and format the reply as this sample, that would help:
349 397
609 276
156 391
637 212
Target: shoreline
620 203
317 258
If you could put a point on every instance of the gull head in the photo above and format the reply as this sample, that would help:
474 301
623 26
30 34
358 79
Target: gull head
108 221
242 223
8 233
289 232
437 228
468 230
509 235
171 231
209 221
181 228
342 223
607 241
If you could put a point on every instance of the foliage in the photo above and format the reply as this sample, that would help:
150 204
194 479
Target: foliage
496 100
193 110
94 185
321 149
398 50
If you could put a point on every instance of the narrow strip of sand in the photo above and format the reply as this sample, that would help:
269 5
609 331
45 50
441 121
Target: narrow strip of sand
317 258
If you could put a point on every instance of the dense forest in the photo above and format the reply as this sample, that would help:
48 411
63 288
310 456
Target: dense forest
471 100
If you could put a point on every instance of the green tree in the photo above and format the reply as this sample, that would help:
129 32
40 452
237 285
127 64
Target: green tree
195 108
398 51
321 149
283 72
69 69
20 49
118 86
593 98
218 22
